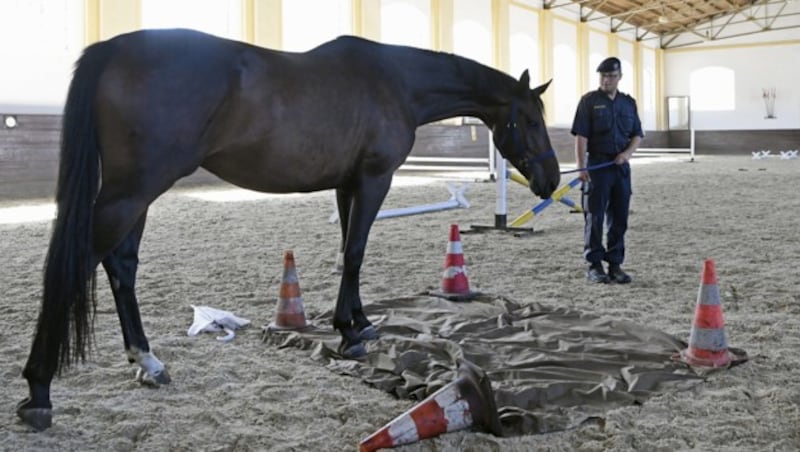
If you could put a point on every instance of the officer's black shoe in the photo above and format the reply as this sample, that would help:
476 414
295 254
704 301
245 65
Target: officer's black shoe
596 274
617 275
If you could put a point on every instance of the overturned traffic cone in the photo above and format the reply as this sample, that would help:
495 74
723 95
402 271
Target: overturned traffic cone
455 285
289 314
467 402
708 344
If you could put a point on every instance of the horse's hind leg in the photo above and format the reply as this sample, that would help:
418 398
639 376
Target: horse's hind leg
121 267
114 217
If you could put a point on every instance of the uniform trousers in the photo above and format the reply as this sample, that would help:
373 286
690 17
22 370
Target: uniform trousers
606 203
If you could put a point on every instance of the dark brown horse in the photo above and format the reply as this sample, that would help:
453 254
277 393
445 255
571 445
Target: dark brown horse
148 108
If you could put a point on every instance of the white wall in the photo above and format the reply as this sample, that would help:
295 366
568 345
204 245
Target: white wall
303 31
406 22
598 51
218 17
523 38
601 44
647 102
565 72
754 66
36 65
625 54
472 30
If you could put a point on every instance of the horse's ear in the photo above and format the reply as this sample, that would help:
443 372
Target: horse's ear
525 79
539 90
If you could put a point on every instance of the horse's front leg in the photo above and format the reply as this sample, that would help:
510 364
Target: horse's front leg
349 318
344 201
121 266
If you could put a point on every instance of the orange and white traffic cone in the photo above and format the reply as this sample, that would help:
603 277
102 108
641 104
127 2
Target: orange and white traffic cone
455 285
289 315
708 344
466 402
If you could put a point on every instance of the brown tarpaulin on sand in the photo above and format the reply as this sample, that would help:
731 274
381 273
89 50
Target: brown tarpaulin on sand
551 369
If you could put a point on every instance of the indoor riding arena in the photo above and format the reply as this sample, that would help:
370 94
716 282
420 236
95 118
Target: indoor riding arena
447 303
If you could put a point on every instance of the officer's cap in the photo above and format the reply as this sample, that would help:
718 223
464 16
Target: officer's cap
610 64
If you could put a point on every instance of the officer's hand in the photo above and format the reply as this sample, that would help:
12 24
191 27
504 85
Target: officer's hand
622 158
583 176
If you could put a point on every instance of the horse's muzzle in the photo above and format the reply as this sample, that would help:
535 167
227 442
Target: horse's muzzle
544 178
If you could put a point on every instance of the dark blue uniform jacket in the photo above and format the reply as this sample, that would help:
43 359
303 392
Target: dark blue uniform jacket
609 125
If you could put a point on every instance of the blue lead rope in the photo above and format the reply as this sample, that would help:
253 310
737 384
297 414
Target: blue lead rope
589 168
552 153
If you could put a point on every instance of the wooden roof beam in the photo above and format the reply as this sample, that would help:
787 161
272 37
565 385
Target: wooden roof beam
592 9
708 26
648 7
737 35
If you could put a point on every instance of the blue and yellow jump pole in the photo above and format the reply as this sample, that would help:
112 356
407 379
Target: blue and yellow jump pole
558 195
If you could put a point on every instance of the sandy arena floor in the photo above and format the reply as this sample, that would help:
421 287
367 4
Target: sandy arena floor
246 395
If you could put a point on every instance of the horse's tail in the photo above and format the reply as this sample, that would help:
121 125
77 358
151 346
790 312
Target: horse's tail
65 324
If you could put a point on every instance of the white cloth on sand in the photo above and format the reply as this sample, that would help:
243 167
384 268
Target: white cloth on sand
212 320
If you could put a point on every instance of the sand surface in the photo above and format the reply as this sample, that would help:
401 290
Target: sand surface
248 395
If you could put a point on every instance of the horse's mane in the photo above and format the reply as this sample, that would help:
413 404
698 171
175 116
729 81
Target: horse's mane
470 71
473 73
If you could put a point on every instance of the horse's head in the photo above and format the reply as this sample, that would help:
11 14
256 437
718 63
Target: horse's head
521 137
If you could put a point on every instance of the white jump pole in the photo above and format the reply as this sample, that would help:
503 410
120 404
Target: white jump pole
492 158
457 200
500 211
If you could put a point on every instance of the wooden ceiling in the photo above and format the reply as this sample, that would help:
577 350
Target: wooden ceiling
666 20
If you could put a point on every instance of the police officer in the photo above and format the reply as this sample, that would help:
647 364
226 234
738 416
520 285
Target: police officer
607 129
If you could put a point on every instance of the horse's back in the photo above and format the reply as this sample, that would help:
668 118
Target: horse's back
181 72
242 111
184 72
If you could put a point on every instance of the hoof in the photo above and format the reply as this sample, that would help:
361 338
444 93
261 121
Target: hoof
354 351
161 378
39 418
368 333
